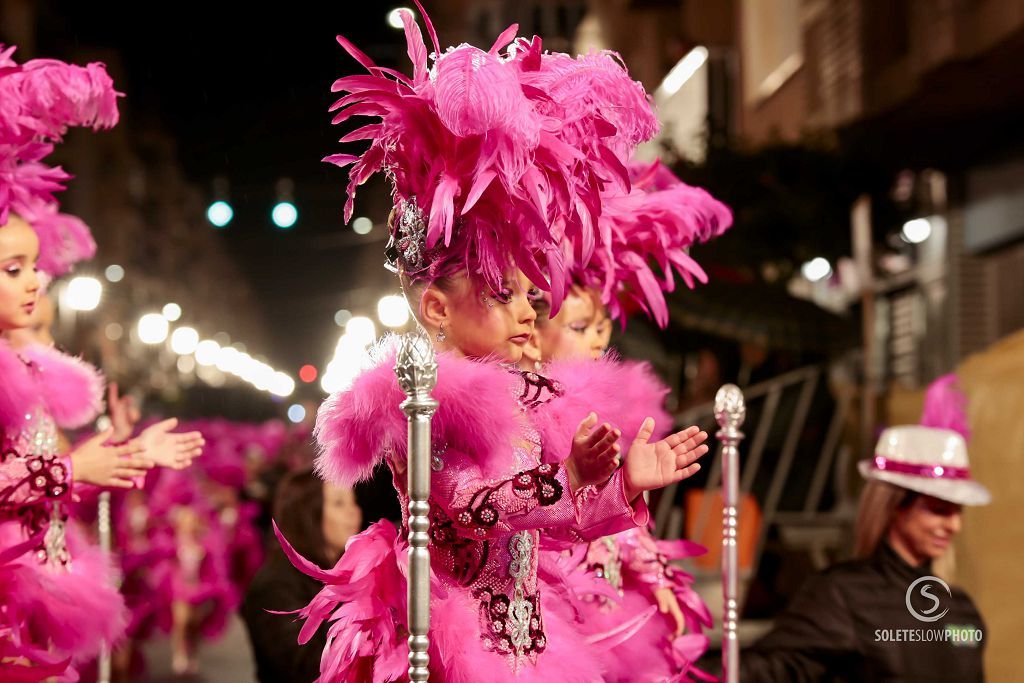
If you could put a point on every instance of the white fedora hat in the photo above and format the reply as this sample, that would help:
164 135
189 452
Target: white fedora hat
927 460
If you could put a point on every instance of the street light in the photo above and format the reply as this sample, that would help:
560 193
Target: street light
362 225
916 231
816 269
395 17
83 293
220 214
684 69
284 215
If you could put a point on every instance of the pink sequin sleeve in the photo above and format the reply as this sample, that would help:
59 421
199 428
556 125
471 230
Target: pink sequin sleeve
537 498
603 510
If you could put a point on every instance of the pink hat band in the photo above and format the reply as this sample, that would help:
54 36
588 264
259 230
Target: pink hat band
920 469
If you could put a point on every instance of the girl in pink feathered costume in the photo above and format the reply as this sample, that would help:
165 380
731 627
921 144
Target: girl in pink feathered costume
620 583
491 180
56 591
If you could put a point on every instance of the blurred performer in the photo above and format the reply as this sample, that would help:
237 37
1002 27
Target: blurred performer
497 186
59 605
319 518
862 620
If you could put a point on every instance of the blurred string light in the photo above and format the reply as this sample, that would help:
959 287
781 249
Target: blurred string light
214 361
393 311
816 269
361 330
172 312
683 71
114 273
395 17
186 364
308 374
296 413
916 231
184 341
349 354
153 328
342 317
206 352
220 214
83 293
362 225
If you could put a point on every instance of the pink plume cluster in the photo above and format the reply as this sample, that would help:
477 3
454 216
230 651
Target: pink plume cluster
508 153
647 233
945 406
39 100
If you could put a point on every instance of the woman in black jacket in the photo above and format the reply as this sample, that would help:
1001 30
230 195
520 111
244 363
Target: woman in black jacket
317 518
888 616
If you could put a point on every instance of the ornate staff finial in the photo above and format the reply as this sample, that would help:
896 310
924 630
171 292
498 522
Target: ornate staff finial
730 409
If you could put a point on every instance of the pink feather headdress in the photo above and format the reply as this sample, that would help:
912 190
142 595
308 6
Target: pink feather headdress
653 224
39 100
495 158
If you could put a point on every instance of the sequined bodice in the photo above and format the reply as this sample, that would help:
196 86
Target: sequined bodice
36 484
485 533
499 569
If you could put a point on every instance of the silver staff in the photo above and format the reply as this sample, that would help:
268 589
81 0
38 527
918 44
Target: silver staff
417 376
103 528
730 412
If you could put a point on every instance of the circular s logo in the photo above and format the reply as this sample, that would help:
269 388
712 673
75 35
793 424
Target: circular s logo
927 587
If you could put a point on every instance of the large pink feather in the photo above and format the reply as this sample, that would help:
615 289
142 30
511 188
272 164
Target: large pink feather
945 406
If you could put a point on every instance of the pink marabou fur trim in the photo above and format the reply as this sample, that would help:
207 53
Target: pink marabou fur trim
622 393
478 416
68 388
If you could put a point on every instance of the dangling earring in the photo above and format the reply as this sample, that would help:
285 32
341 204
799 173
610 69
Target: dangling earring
441 336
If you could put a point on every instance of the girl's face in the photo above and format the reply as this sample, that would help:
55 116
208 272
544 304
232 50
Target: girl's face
19 285
573 332
39 329
342 518
926 527
479 323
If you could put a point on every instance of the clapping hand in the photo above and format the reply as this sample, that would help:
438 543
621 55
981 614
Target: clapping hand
595 453
650 466
168 449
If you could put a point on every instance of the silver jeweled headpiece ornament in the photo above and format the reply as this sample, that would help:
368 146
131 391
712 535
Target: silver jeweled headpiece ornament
406 251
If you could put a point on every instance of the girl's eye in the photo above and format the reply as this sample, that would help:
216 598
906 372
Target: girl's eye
13 271
578 327
503 295
534 295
